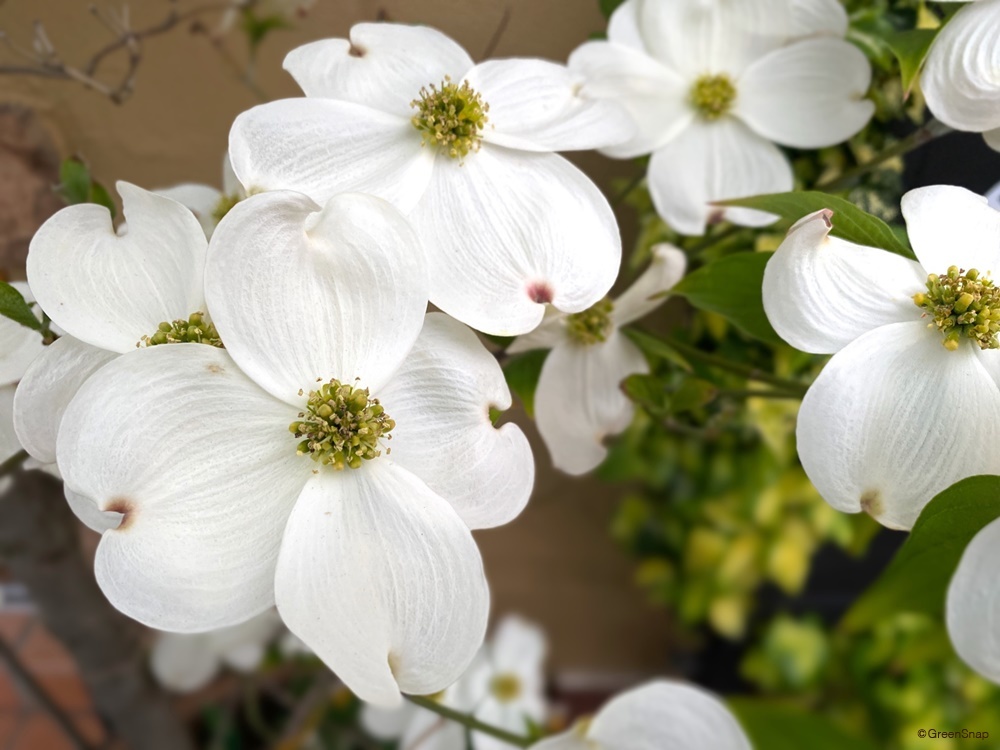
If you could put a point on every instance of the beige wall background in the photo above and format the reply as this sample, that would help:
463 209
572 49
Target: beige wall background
556 563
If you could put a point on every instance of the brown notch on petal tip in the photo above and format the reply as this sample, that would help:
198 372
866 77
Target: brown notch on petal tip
540 292
124 506
355 51
827 215
871 503
216 369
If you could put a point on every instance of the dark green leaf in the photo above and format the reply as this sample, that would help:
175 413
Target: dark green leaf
849 221
13 306
522 372
910 48
731 287
609 6
654 347
74 181
100 196
776 726
917 578
646 391
692 394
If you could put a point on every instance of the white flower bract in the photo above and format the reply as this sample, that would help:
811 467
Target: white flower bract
905 408
973 604
222 512
507 224
207 203
579 401
713 85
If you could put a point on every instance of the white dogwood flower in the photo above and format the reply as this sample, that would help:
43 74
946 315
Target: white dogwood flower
660 714
108 291
207 203
973 603
579 400
466 151
713 85
19 346
960 78
186 662
909 403
330 460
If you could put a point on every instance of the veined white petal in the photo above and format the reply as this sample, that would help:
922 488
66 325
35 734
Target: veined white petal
184 662
550 332
47 388
108 288
537 105
959 78
509 231
202 201
90 514
9 444
667 714
322 147
230 182
579 400
666 268
200 463
807 95
973 608
952 226
715 161
863 432
821 292
654 95
382 579
382 65
819 17
19 345
301 294
440 399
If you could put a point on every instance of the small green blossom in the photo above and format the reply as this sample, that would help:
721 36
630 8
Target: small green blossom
593 325
962 305
195 330
341 426
451 117
713 96
506 687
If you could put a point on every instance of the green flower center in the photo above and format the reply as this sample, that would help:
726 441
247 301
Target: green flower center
451 117
962 305
224 206
713 96
195 330
593 325
341 426
505 687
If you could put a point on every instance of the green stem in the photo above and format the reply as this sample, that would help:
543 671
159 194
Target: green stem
13 463
924 134
737 368
627 191
470 722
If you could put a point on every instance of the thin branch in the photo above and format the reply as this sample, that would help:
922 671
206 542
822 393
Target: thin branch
308 713
470 722
41 697
491 46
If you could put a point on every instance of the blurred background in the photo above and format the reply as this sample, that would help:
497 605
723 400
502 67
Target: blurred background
699 549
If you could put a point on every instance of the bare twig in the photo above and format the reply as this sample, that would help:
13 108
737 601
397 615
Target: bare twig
45 61
309 712
491 46
39 544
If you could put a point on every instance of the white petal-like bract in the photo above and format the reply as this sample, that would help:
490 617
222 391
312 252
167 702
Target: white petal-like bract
973 605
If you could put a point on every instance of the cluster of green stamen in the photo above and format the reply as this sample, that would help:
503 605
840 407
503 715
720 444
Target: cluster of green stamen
451 117
506 687
963 305
593 325
713 96
195 330
341 426
224 206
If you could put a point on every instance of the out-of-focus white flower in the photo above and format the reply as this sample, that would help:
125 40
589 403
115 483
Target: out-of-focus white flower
960 78
466 151
186 662
279 10
909 403
261 473
207 203
713 85
579 400
504 687
660 714
108 291
973 605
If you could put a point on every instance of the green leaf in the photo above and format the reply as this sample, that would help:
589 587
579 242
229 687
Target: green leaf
910 48
522 372
849 221
654 347
731 287
74 181
775 726
13 306
918 576
100 196
609 6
